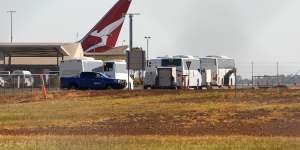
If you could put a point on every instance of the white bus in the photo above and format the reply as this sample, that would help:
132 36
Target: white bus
220 70
187 72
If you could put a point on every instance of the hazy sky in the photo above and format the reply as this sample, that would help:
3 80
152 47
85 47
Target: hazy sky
263 31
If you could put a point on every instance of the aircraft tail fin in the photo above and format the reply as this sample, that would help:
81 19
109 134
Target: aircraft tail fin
104 35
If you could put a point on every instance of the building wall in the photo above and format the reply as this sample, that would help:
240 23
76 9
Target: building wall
110 57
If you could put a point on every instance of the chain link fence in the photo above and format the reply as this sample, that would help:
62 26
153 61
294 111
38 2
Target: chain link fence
26 84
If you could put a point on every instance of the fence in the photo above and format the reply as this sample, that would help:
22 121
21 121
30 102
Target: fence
12 84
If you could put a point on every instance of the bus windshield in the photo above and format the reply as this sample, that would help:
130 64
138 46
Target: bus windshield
171 62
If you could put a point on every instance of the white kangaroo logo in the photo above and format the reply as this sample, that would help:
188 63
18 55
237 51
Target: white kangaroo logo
105 33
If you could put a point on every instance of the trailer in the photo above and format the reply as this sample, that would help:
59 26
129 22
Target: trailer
166 77
185 75
217 71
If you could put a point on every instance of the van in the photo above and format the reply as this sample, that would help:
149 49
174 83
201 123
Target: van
23 77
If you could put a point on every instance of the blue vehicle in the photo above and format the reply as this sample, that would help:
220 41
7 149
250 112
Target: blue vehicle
92 80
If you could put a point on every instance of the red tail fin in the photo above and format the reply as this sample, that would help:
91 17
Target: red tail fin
105 34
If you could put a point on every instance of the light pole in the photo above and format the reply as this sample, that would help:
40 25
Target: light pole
277 76
147 38
131 15
130 44
11 24
252 72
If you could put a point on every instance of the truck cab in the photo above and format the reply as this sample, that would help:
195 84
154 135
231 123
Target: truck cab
117 69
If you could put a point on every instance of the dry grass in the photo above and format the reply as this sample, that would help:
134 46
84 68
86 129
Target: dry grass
147 143
263 119
191 113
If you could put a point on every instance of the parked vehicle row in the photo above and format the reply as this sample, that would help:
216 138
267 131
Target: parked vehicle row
81 73
162 72
88 73
21 78
190 72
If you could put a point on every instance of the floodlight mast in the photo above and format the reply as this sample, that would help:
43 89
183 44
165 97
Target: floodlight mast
147 38
131 15
11 24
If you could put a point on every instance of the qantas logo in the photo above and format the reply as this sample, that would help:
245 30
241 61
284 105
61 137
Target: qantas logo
104 34
103 37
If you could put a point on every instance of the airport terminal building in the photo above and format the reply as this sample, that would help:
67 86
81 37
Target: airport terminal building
42 58
37 58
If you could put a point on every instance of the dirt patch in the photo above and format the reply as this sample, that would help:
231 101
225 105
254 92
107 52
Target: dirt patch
220 99
72 95
189 123
251 96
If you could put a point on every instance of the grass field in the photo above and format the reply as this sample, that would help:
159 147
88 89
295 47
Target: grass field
260 119
147 142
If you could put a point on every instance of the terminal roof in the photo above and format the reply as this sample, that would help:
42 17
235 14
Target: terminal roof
33 50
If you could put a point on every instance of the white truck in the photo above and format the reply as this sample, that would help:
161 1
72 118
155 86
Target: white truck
117 69
185 75
74 67
166 77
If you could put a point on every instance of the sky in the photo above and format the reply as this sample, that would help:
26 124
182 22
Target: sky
260 31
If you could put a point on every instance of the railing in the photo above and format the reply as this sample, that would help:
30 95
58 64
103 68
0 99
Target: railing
13 84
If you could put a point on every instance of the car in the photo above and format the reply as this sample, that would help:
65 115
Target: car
25 77
2 82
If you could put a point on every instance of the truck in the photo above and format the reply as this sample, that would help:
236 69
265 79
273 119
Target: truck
117 69
92 80
74 67
166 77
186 72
